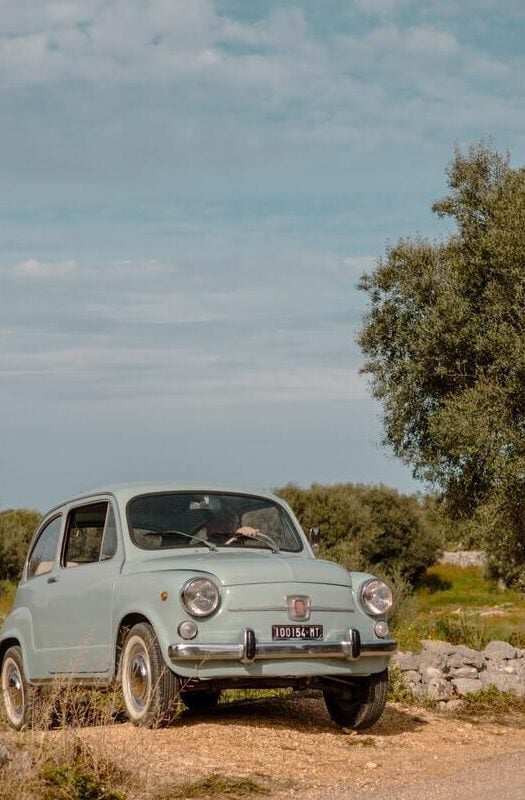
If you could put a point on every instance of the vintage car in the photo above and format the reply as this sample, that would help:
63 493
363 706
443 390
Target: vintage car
177 592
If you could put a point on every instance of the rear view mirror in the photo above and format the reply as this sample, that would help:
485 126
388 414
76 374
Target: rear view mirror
314 539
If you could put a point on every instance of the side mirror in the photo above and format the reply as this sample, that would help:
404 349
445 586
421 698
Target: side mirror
313 538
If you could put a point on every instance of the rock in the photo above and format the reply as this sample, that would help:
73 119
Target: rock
411 676
439 689
405 661
437 646
502 681
464 558
466 656
418 689
465 686
451 705
500 650
463 672
433 672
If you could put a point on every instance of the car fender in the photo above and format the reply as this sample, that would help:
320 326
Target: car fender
159 603
19 626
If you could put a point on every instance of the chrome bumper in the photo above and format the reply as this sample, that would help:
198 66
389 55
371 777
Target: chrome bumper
249 650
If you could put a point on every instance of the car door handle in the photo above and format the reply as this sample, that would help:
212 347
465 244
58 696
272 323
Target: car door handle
52 579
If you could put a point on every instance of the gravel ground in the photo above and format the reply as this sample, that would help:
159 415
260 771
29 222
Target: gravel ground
292 747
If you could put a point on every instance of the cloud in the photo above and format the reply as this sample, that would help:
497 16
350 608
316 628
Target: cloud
44 270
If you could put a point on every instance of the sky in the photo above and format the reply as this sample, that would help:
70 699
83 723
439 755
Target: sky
189 193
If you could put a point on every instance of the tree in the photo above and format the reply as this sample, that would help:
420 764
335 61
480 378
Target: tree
16 529
444 338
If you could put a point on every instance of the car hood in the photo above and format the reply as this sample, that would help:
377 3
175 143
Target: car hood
237 569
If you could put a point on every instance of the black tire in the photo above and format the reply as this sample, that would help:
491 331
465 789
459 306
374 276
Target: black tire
17 694
149 688
359 706
200 701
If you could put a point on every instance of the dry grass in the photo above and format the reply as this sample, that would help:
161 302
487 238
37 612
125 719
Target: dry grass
215 786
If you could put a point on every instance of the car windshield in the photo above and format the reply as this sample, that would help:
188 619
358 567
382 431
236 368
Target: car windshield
175 520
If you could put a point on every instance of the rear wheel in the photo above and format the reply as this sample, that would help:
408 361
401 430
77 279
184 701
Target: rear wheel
18 695
200 701
359 705
149 688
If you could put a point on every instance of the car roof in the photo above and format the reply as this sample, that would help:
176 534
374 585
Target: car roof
123 492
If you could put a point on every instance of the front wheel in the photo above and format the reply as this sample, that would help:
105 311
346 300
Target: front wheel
359 705
149 688
18 695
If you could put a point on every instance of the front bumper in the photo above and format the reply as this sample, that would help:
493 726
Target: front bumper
249 650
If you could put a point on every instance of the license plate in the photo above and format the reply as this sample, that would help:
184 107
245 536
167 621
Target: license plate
297 631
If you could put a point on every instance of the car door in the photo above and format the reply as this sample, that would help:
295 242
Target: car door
79 605
35 593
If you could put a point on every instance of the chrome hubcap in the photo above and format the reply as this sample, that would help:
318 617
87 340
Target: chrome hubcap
137 684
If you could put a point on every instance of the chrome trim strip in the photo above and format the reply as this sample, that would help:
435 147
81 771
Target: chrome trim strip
285 608
384 648
350 649
203 652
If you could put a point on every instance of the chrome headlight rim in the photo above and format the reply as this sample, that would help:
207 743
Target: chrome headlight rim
367 600
186 599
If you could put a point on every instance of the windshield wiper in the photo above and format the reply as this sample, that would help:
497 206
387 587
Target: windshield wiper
209 545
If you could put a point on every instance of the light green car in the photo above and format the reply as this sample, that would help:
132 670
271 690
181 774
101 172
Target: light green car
178 592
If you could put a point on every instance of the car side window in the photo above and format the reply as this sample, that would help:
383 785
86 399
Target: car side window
84 534
42 558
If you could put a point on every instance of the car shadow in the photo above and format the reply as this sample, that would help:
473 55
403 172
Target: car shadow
307 715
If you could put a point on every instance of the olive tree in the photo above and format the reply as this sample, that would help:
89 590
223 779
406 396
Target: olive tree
444 340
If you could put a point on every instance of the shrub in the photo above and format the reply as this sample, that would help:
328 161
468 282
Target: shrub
368 527
16 529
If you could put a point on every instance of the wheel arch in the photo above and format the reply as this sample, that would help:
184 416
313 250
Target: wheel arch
125 625
5 644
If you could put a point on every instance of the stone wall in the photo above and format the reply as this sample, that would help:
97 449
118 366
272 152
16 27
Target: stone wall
445 672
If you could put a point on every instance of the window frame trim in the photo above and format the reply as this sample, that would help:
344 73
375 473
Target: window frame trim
44 525
83 504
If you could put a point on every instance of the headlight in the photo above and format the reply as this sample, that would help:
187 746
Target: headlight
200 597
376 597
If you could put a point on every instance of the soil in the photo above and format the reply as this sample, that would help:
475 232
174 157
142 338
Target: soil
292 747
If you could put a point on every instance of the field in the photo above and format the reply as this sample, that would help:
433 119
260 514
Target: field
459 605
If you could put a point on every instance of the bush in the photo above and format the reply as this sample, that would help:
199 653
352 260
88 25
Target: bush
16 529
456 532
368 527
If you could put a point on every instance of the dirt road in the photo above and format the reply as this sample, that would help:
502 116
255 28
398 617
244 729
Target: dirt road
293 748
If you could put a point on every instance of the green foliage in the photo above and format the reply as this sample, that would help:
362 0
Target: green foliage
445 348
7 595
67 768
16 529
368 528
463 533
450 586
74 782
217 786
491 702
462 606
398 691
